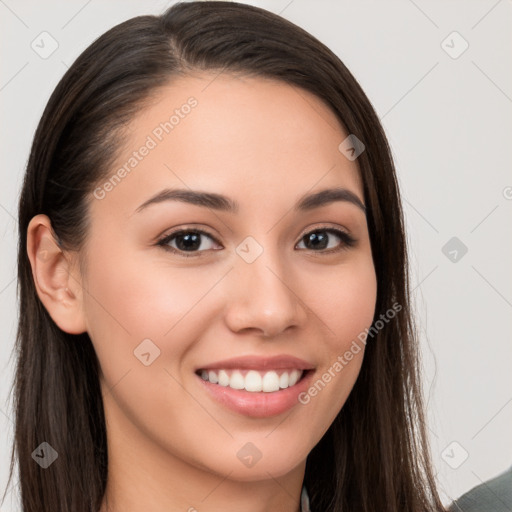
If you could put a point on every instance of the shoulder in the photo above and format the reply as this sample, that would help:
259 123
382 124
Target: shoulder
495 495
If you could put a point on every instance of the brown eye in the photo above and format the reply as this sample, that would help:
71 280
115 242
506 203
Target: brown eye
322 238
187 241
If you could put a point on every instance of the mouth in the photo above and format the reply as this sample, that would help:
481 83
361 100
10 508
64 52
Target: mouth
253 381
255 386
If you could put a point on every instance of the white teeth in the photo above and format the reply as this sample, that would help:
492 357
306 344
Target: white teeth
270 382
253 381
294 377
236 381
223 378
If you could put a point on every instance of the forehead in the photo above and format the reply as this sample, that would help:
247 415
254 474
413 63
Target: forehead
231 134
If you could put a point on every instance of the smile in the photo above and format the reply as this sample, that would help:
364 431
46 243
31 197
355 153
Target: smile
251 380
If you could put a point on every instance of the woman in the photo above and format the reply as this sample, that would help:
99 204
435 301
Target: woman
214 309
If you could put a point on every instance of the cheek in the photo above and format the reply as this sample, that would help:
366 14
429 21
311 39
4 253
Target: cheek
136 308
346 300
355 307
130 301
140 298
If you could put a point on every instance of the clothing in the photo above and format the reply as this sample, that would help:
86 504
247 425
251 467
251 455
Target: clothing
304 500
494 495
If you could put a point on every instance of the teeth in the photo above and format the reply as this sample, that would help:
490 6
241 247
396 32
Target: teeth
223 378
270 382
236 381
252 380
294 377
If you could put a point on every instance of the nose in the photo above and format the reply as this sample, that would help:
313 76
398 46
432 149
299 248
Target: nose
263 298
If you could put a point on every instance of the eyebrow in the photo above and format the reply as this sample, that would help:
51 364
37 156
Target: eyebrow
225 204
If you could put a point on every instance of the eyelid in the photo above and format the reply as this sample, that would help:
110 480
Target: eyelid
325 227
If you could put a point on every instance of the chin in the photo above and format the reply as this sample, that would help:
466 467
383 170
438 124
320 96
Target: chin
251 464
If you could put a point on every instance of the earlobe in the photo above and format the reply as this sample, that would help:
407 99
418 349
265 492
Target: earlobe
57 282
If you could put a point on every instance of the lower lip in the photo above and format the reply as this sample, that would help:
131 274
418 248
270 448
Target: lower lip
258 404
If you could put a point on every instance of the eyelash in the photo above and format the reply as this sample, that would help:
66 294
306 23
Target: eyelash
347 241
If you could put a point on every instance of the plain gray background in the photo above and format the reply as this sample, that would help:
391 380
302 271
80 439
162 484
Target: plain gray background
447 112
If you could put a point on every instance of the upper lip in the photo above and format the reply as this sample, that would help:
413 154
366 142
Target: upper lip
253 362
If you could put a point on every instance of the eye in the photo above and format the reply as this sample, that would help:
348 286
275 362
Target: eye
187 240
325 238
192 241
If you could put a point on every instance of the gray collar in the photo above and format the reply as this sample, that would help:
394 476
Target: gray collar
304 500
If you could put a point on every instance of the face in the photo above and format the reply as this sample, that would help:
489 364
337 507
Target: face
250 292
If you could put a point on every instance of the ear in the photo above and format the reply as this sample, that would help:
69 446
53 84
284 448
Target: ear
57 281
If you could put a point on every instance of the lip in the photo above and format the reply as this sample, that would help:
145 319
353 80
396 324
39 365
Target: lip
252 362
258 404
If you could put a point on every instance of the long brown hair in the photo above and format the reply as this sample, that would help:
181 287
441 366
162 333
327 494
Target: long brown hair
375 455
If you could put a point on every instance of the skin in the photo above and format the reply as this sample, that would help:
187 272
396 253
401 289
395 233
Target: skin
265 144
